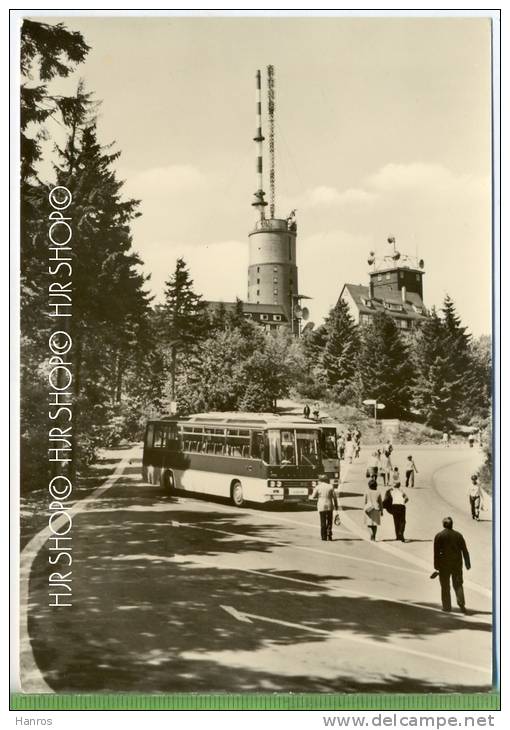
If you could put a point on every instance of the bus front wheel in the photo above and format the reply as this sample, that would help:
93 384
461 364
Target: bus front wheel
237 494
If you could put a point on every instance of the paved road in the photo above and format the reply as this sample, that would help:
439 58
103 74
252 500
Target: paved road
177 594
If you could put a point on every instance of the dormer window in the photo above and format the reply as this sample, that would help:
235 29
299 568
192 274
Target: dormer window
264 317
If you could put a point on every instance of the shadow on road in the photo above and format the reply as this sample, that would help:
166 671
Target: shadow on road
147 615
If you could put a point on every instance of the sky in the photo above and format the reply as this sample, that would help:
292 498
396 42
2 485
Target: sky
383 128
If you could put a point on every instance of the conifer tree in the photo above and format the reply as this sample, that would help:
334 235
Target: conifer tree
437 382
458 344
385 368
185 320
109 323
340 354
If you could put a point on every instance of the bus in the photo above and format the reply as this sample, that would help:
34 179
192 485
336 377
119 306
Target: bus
246 457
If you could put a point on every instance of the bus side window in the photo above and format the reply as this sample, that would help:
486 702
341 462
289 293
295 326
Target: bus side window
257 444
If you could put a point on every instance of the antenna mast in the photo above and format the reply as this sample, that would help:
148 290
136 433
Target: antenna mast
271 107
259 201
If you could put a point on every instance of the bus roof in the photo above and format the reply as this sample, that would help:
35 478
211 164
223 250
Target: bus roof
246 419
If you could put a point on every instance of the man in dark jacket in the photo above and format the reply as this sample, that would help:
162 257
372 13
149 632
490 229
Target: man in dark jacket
449 550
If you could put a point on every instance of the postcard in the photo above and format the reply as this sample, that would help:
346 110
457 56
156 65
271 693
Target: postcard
257 434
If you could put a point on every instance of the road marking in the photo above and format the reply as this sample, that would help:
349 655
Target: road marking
236 614
344 636
355 529
31 678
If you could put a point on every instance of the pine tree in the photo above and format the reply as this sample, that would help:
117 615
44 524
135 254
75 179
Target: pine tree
340 354
385 368
185 320
47 51
458 345
437 377
109 325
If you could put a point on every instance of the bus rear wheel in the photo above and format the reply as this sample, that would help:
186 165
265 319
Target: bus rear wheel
168 481
237 494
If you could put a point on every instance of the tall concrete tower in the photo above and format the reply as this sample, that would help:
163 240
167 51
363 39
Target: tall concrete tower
272 270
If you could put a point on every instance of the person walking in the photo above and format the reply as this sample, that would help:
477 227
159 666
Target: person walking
399 499
475 497
373 508
410 471
316 411
471 439
380 464
446 439
306 411
341 446
326 503
387 465
349 450
449 551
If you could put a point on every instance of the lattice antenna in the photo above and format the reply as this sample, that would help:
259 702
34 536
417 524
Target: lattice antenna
271 108
259 201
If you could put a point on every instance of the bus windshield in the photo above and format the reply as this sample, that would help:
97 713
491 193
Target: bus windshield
291 447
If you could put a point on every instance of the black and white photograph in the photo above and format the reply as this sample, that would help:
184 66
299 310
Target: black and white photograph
256 406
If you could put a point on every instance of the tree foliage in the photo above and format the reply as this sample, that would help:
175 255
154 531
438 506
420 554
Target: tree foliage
385 368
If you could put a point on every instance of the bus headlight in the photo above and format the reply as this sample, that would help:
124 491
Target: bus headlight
272 483
336 475
278 484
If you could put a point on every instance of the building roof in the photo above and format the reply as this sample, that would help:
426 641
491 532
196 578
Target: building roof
361 297
251 308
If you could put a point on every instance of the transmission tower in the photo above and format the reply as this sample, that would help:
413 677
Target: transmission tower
270 108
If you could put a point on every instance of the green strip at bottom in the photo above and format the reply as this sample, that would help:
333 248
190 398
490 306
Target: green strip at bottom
197 702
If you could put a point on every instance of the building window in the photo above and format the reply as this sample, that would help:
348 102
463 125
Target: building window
387 276
290 251
379 277
401 274
258 292
364 319
402 324
258 269
275 292
275 269
275 280
264 317
417 277
277 317
258 281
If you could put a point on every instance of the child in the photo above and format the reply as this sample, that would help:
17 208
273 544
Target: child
395 476
410 470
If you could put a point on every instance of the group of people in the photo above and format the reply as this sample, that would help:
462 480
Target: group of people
394 501
450 550
381 466
315 413
349 445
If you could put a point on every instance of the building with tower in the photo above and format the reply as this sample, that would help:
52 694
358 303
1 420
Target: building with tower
395 286
273 299
272 268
